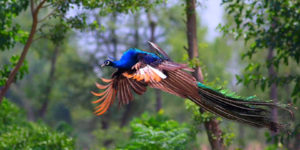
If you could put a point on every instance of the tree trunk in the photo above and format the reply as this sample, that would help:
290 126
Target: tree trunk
152 25
114 38
126 114
296 142
13 73
50 83
212 126
273 89
241 136
26 103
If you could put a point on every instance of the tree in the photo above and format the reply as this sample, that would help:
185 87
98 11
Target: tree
48 88
14 8
212 126
34 11
267 26
271 28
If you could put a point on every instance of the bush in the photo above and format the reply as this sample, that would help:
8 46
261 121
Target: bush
17 133
160 133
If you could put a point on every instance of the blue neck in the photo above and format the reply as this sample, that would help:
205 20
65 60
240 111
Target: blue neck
130 58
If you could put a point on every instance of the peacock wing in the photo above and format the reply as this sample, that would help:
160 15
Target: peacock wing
159 51
119 86
167 76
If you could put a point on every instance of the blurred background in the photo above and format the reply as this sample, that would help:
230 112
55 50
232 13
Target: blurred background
250 48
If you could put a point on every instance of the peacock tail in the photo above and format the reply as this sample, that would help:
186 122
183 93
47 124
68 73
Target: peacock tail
247 110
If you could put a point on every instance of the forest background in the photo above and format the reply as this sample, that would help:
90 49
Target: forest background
50 57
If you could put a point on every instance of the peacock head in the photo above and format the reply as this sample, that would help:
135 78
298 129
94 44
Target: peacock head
107 63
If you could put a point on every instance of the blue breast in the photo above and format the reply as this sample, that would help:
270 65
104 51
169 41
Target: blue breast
130 58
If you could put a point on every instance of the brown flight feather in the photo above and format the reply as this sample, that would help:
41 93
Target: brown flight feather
118 86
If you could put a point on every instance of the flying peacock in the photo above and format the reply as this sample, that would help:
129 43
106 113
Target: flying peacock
138 69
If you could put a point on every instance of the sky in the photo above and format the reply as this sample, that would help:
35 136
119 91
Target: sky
211 14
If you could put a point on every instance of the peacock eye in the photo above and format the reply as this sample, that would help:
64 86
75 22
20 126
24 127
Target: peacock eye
107 63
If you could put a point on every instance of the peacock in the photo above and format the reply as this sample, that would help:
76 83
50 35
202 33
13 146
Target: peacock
137 69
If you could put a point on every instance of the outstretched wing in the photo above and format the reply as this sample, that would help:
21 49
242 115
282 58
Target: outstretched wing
167 76
119 86
159 51
167 60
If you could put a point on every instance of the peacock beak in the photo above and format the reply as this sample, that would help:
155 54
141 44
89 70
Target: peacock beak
102 65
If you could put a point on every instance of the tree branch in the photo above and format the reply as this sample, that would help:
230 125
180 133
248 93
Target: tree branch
45 6
32 7
39 6
44 18
40 37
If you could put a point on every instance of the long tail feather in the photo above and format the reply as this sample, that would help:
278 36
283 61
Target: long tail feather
249 111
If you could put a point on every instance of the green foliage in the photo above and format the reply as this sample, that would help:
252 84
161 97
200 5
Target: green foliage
265 25
16 133
10 32
120 6
159 132
228 137
198 117
6 69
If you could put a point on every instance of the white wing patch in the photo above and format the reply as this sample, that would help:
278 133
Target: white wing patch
147 73
158 72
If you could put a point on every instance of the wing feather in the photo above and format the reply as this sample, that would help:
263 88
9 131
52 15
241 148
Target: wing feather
121 92
119 86
102 87
137 87
146 74
106 80
158 50
172 66
127 92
